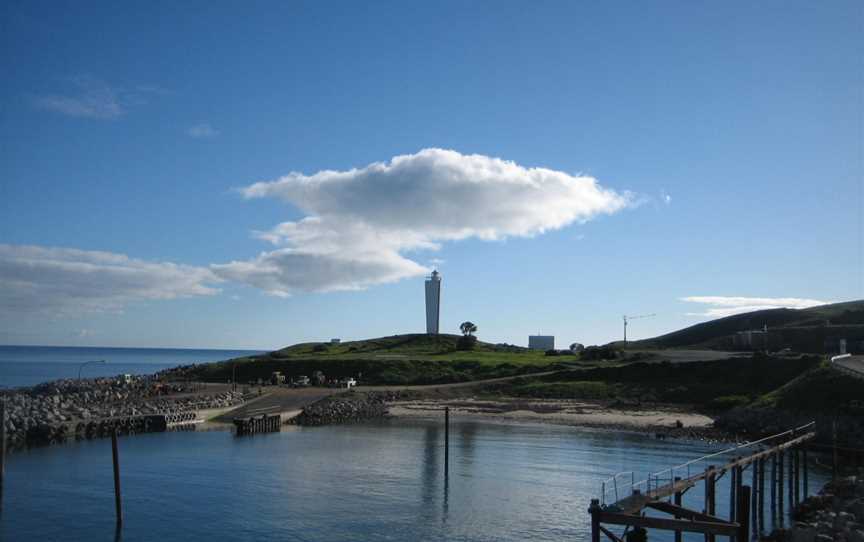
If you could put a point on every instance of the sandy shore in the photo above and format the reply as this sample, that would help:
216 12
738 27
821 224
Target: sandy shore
665 421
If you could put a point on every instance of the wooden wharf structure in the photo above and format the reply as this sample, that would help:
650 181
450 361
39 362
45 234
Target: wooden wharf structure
265 423
785 454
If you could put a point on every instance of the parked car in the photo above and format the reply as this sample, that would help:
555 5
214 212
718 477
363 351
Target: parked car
301 382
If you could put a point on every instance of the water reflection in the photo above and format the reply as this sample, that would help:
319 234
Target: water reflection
467 432
431 470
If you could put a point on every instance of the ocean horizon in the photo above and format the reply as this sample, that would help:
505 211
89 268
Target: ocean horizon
23 365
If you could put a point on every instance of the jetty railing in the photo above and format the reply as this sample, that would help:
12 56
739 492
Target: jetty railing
664 491
684 470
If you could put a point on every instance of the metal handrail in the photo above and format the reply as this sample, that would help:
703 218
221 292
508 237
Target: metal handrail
656 476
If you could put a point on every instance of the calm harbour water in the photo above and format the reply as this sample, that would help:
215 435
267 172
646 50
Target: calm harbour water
30 365
372 481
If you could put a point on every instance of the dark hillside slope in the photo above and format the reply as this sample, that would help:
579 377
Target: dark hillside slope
806 329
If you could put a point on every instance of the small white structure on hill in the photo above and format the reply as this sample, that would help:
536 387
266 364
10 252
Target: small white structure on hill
433 302
541 342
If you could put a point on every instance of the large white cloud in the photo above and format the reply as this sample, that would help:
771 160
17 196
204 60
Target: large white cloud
63 281
359 223
726 306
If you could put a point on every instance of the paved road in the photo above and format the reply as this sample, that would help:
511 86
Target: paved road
851 364
689 356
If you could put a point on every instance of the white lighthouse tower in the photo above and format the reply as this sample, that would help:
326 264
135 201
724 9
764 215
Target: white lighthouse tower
433 302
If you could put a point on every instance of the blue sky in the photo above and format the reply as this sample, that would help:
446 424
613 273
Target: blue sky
688 150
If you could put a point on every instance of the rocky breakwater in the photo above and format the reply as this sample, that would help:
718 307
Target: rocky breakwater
835 515
63 409
346 407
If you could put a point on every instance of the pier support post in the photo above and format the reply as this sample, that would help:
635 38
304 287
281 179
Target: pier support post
791 485
594 509
677 500
744 514
733 495
806 481
773 488
797 477
754 496
710 496
781 512
447 441
117 504
761 512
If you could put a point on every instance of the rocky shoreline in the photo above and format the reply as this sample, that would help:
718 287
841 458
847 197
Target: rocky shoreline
835 515
346 407
757 422
56 411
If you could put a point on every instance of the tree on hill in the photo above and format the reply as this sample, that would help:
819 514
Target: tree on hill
467 340
468 329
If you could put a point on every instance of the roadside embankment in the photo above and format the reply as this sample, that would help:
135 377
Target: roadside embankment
755 422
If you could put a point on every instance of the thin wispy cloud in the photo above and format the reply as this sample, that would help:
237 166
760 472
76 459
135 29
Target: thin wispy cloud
58 282
88 97
362 224
202 131
720 306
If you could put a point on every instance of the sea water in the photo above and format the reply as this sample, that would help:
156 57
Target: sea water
372 481
30 365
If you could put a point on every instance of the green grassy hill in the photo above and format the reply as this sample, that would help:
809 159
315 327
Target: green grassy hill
821 389
712 385
801 329
398 359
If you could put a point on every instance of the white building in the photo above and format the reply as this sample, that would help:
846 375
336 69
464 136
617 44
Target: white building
433 302
541 342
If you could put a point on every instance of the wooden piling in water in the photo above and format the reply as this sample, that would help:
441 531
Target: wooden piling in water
797 477
594 510
761 498
780 509
773 487
744 514
710 496
677 500
446 441
114 455
754 498
806 481
733 497
790 487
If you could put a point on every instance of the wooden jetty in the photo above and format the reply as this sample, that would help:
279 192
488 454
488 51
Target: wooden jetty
264 423
664 492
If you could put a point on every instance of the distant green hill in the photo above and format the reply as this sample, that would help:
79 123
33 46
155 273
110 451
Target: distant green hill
805 330
398 359
414 344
